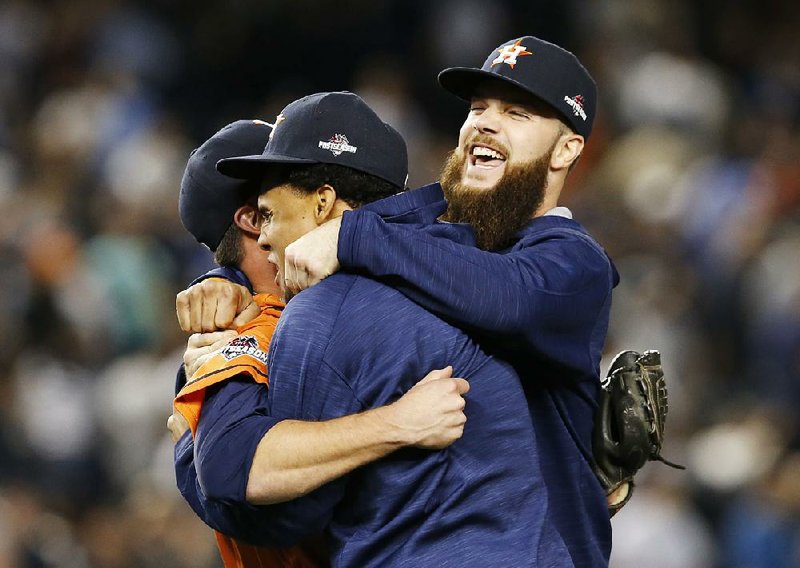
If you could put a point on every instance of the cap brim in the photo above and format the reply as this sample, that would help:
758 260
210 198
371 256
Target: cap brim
251 167
463 81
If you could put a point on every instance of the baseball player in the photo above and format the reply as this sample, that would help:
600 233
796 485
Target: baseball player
221 213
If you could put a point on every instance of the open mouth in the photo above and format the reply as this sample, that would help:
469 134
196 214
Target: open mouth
484 156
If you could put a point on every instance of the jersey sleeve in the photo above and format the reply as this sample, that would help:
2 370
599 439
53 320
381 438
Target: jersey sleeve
244 355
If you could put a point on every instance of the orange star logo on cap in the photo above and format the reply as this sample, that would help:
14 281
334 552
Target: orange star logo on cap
509 53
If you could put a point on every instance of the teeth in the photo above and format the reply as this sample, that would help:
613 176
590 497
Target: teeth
488 152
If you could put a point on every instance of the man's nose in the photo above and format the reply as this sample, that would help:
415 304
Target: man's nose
487 122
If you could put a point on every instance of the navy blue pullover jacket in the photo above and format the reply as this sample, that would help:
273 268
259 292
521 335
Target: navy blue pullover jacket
543 305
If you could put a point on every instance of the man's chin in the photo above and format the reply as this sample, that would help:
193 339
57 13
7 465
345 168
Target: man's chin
482 180
467 186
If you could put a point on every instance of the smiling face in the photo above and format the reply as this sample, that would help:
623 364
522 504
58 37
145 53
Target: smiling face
504 128
288 213
499 175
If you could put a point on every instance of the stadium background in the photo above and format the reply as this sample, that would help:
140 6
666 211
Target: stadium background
691 181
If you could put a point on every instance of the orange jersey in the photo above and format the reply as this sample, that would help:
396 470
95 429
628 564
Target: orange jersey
245 354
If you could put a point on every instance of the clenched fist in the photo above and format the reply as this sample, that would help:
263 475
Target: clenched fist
214 304
431 414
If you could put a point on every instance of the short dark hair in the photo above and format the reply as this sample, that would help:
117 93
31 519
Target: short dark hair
229 251
354 187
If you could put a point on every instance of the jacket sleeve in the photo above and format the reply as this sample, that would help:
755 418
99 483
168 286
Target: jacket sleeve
233 421
545 284
186 475
220 516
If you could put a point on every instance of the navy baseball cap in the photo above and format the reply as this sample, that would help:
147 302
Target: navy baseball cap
329 128
545 70
209 199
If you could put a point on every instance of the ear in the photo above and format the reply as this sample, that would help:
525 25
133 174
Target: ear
324 203
248 220
568 149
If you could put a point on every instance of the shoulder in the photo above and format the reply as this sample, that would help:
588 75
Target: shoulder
568 245
320 303
563 231
321 321
306 324
556 226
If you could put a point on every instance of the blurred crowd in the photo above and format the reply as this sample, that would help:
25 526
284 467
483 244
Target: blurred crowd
691 181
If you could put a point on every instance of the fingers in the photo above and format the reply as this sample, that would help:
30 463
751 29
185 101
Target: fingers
201 345
208 313
210 305
432 413
247 314
227 304
290 272
182 311
171 427
209 339
445 373
312 257
177 425
189 310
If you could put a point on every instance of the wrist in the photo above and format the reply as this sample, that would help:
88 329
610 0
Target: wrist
386 424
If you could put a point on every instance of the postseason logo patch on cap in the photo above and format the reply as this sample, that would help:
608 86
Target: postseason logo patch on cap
576 103
509 54
337 144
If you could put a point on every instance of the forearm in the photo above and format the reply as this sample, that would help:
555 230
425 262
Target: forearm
294 457
546 283
473 288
